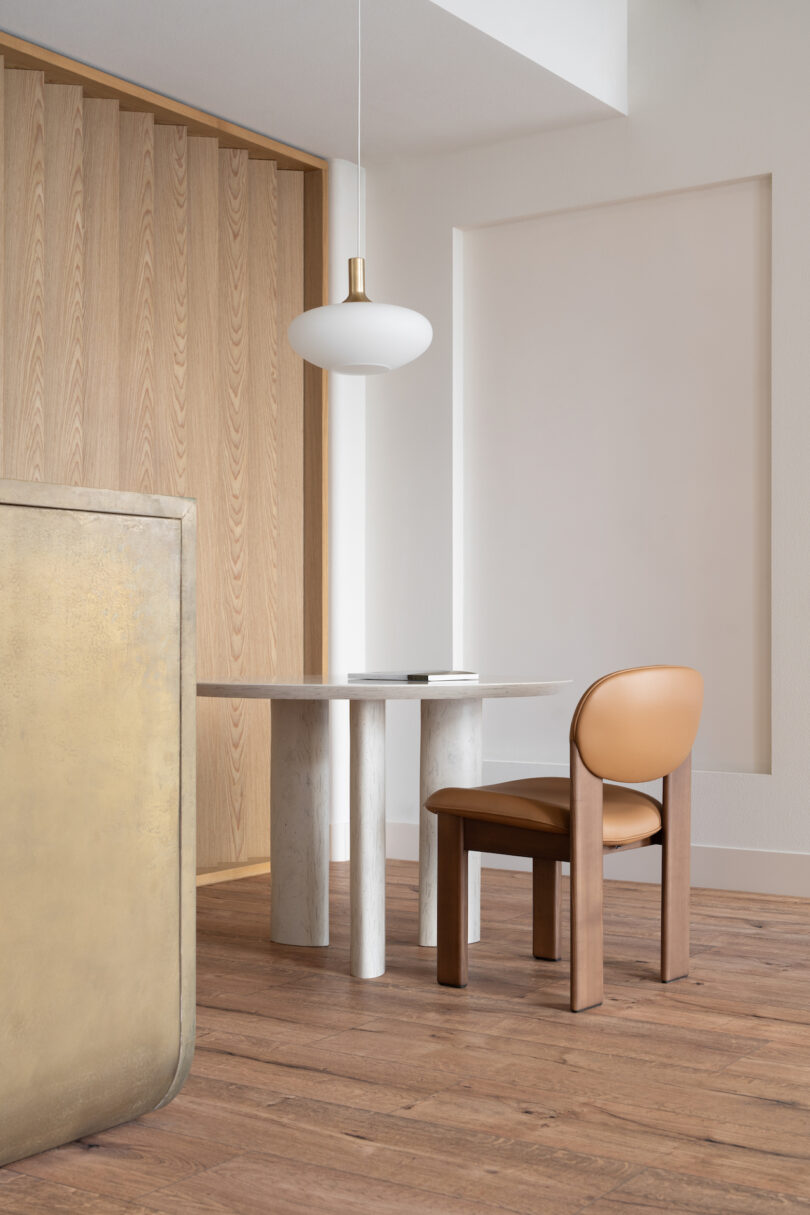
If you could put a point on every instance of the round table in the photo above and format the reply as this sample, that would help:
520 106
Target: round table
450 754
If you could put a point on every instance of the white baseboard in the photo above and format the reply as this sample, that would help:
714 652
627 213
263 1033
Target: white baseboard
339 848
759 872
402 841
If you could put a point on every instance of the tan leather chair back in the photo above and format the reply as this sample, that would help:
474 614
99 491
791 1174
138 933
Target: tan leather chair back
639 724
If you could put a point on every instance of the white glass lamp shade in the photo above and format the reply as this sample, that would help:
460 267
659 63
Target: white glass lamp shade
359 337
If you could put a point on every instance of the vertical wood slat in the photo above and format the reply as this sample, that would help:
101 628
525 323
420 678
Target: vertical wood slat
316 433
171 309
233 273
3 259
262 497
24 333
64 285
202 385
101 293
263 457
203 440
137 334
291 427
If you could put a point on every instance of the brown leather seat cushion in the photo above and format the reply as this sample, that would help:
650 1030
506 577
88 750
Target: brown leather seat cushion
544 804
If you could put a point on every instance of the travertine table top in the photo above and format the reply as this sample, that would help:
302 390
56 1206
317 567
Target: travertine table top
339 687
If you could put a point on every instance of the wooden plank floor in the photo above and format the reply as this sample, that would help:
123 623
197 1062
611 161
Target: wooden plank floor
315 1092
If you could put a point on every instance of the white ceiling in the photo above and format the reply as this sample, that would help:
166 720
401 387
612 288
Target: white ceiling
287 68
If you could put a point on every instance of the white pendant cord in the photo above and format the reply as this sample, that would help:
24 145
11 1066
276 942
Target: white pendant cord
344 337
359 116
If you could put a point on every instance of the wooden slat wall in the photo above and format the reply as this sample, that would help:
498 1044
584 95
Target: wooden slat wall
171 307
204 448
148 279
24 277
102 329
264 594
233 242
136 453
64 284
2 245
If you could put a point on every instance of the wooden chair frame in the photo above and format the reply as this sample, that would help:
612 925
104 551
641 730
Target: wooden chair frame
584 849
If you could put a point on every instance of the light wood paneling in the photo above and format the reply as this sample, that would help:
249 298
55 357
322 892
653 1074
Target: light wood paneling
262 590
204 444
153 259
24 334
3 249
233 271
101 294
290 655
203 422
63 407
137 269
171 307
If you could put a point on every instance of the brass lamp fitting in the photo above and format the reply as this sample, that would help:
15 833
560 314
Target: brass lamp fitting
357 282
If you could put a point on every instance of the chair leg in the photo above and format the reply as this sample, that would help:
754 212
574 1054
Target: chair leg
675 887
587 984
451 939
546 907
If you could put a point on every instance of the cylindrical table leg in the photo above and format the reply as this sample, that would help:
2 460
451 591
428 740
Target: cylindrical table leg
450 755
299 822
367 866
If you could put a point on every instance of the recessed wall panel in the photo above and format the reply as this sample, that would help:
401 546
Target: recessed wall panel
617 458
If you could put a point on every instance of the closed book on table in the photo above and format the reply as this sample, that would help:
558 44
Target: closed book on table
97 755
414 676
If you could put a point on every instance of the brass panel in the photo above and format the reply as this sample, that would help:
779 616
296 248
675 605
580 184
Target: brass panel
97 857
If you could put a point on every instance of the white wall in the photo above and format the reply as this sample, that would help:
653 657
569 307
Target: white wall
717 94
584 41
615 434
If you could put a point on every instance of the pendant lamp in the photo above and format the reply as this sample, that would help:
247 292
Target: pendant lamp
359 337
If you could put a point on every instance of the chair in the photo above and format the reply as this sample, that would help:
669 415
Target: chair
631 726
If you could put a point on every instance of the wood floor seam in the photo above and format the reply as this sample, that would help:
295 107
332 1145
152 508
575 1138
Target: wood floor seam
313 1091
601 1197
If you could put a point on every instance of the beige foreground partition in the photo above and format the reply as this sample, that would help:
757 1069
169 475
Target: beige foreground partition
97 800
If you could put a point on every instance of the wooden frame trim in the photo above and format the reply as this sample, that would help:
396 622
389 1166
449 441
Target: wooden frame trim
316 435
230 871
59 69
